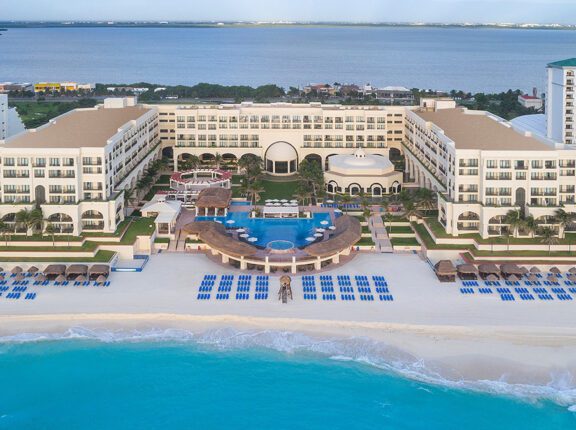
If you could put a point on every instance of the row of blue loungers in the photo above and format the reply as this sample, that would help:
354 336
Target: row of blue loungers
242 291
507 293
363 286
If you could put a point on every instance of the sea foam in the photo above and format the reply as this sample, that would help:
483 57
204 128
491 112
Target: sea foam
561 388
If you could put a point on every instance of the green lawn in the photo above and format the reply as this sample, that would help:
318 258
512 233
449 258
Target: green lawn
35 114
404 241
162 240
429 242
138 227
163 180
86 247
119 231
399 229
365 241
100 257
278 190
365 229
38 238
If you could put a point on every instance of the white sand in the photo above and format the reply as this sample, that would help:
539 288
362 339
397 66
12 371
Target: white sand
466 336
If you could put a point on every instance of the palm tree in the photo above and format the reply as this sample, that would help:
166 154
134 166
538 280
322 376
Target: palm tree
129 196
217 160
530 225
253 191
548 237
425 199
410 209
4 231
51 231
388 217
346 199
514 219
30 219
563 219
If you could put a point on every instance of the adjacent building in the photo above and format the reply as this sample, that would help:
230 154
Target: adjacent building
77 166
560 101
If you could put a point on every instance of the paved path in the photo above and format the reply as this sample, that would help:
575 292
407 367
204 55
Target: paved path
379 234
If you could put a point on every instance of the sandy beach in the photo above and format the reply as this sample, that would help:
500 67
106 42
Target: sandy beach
461 337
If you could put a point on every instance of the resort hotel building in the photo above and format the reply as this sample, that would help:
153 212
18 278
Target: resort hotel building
77 166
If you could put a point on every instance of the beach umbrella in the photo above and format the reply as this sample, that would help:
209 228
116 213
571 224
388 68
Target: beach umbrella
60 278
571 276
17 269
524 270
274 200
101 279
268 200
252 239
555 270
513 278
534 270
492 277
19 277
244 235
324 222
552 278
277 204
80 278
310 239
33 270
318 235
320 230
572 270
533 277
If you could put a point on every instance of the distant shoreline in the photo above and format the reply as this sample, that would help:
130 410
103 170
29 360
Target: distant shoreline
226 24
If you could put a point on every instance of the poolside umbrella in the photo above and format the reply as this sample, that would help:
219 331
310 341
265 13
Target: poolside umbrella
552 278
310 239
555 270
219 222
60 278
572 270
337 211
33 270
533 277
318 235
534 270
244 235
101 279
284 201
330 201
332 227
241 230
17 269
252 239
294 201
320 230
19 277
324 222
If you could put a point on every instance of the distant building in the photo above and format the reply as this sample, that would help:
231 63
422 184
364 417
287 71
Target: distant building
560 101
321 89
135 90
349 90
60 87
390 94
6 87
530 101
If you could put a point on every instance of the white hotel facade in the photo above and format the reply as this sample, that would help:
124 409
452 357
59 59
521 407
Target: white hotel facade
77 166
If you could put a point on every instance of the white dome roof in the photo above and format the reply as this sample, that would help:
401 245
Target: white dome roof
360 163
281 151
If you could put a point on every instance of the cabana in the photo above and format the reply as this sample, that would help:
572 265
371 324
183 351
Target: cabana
98 270
467 272
445 271
488 269
213 202
76 269
511 269
54 270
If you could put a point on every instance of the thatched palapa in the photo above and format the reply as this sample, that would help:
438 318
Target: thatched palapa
55 270
77 269
99 269
214 235
214 198
488 268
348 231
467 271
445 271
511 269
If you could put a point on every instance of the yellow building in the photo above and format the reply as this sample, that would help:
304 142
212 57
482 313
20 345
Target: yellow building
44 87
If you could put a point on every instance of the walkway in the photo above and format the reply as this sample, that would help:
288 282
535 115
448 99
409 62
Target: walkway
379 234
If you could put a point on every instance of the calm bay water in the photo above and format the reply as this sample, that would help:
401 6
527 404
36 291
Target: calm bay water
88 384
470 59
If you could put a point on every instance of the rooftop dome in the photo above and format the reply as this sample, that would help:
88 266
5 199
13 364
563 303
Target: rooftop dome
281 151
360 163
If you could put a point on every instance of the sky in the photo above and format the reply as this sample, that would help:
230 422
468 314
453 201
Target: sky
445 11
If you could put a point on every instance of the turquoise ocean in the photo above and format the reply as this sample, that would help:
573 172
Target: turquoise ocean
226 379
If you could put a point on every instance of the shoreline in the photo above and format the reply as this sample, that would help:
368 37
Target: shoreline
460 354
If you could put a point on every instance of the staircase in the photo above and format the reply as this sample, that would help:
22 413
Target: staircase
379 234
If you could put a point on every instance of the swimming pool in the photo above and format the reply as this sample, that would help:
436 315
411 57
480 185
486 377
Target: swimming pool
240 203
294 230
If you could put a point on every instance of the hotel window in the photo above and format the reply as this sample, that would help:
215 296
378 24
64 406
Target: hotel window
202 118
537 164
349 119
492 164
9 161
180 118
212 118
505 164
68 162
549 164
40 162
22 161
191 119
54 162
39 173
